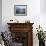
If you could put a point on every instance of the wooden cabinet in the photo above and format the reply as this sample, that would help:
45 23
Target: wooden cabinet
22 33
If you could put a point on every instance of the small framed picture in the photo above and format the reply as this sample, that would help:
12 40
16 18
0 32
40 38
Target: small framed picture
20 10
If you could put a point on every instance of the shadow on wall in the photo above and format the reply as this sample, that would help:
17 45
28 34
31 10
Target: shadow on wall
0 15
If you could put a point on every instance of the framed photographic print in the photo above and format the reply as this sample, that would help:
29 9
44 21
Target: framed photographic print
20 10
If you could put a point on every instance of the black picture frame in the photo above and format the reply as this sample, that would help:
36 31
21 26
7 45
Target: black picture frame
20 10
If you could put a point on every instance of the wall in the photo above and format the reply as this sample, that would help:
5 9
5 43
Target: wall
0 15
43 14
33 10
34 14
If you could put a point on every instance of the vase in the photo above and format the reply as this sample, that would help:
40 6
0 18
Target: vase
41 43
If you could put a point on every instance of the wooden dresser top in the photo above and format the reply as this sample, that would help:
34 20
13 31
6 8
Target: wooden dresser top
19 23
